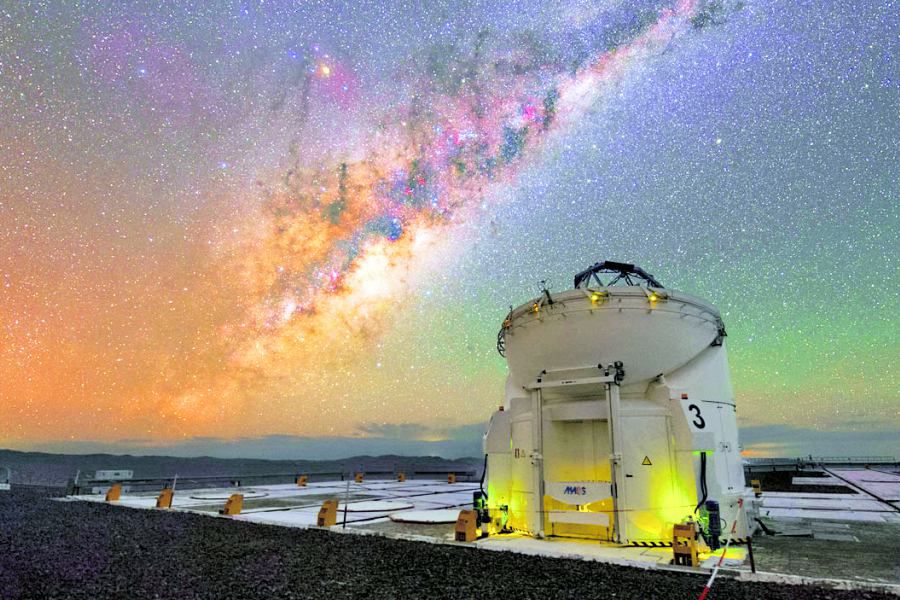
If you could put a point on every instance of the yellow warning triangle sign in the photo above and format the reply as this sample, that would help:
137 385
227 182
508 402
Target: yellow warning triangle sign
647 461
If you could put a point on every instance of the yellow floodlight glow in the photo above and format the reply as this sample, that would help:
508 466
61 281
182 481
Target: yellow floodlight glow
654 296
598 296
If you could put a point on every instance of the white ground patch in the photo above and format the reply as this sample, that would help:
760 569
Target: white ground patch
863 506
878 483
816 481
378 506
226 494
440 515
837 515
808 495
853 503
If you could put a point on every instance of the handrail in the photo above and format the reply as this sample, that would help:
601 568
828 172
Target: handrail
821 459
236 479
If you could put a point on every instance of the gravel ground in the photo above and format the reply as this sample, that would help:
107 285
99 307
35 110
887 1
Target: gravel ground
51 549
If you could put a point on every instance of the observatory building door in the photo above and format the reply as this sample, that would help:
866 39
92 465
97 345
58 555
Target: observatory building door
573 442
578 499
574 460
650 492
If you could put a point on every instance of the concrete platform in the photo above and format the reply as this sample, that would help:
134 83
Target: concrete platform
867 505
432 517
836 515
877 483
854 503
816 481
292 505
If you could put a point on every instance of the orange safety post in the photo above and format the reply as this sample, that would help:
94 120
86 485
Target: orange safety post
165 498
328 514
114 492
466 526
757 487
233 505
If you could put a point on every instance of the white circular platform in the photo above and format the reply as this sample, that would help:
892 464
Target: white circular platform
442 515
225 494
376 506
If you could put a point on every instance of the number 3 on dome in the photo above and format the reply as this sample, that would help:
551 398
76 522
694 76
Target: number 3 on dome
698 422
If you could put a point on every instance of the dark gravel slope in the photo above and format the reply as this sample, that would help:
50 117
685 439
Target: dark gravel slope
79 550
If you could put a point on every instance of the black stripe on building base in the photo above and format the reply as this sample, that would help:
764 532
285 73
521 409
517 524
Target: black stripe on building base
652 544
734 542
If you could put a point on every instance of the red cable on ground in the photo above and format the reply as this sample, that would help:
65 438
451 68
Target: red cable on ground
731 533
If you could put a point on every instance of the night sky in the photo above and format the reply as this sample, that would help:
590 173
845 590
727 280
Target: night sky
238 220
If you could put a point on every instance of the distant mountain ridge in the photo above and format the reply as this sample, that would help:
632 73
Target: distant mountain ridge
42 468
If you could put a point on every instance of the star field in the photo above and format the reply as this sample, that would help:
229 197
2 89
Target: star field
259 218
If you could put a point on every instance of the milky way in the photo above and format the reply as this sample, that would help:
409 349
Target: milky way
250 219
338 240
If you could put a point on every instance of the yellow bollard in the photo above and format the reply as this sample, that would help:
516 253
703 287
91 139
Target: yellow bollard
301 480
165 498
684 544
757 487
451 478
328 514
466 526
233 505
359 477
114 492
401 476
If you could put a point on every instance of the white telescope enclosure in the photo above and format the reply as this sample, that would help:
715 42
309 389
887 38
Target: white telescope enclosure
619 417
